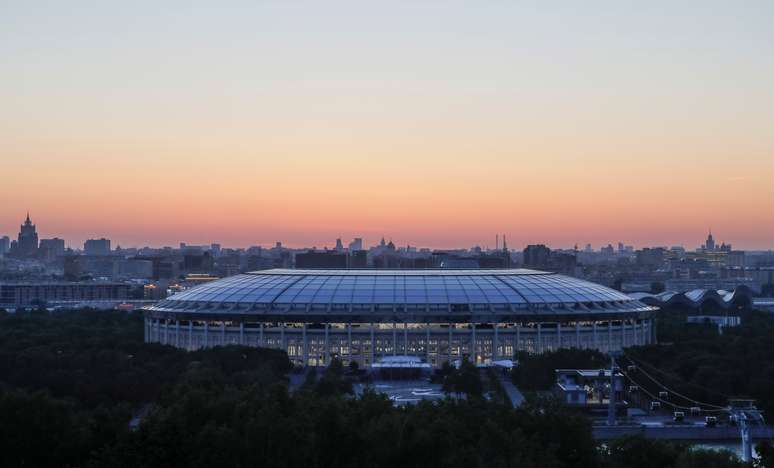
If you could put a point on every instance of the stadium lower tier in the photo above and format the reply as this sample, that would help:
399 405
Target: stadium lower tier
366 343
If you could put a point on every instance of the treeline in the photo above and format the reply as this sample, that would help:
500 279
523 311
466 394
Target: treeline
205 423
707 366
214 425
71 383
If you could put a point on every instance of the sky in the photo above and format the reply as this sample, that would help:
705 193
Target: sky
434 123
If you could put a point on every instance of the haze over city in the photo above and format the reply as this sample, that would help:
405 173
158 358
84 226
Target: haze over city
434 124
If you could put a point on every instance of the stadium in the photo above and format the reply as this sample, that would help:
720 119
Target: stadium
369 315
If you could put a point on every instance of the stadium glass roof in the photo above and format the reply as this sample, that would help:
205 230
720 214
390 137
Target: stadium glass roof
313 289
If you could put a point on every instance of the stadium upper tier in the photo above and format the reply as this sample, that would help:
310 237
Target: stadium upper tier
327 293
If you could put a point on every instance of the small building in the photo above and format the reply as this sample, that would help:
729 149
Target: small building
401 367
722 321
589 389
39 294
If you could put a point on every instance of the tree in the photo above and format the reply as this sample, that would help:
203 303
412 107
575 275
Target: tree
465 380
765 451
333 381
537 371
638 452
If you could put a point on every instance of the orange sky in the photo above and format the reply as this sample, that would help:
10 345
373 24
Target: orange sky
435 128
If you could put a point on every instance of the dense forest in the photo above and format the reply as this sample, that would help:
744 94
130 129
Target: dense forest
71 383
695 360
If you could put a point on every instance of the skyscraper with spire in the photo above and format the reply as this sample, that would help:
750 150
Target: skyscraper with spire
27 243
710 244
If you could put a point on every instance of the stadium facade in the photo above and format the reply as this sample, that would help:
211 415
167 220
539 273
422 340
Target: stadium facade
365 315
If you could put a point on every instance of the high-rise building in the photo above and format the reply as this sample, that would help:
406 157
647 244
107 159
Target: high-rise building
536 256
327 259
356 244
710 244
5 245
27 243
97 247
51 248
73 267
651 257
339 245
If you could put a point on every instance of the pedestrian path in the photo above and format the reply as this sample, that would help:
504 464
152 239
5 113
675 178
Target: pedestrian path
517 398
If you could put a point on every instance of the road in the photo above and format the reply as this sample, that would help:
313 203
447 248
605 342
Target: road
517 398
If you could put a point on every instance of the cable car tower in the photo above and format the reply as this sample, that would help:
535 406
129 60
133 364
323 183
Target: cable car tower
745 414
611 419
741 412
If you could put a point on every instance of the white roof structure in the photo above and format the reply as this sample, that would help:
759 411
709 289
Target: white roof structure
400 362
389 295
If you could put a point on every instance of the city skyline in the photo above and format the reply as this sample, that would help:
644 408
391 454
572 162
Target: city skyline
310 121
404 233
499 240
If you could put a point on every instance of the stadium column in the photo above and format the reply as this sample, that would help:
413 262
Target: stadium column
624 327
495 352
223 333
449 349
635 332
349 341
394 339
260 335
518 338
206 334
147 330
427 342
609 335
594 332
405 339
638 332
558 335
190 334
649 335
327 346
166 331
473 347
306 347
282 337
539 348
623 333
577 335
241 332
177 333
373 343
